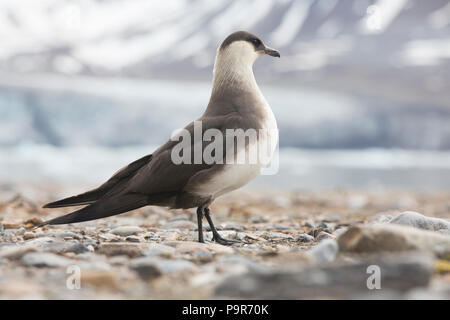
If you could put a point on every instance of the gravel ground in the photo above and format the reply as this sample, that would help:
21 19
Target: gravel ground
342 244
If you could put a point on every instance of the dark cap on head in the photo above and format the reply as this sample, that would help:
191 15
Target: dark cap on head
251 38
239 36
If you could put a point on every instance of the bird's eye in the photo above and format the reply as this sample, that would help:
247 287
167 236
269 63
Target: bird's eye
256 42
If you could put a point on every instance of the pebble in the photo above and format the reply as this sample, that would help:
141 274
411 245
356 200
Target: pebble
305 238
158 249
162 265
78 248
259 219
324 235
146 269
325 251
202 256
233 227
68 235
28 236
44 259
15 252
309 224
125 231
121 248
133 239
278 235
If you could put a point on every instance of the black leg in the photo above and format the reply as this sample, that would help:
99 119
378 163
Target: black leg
200 227
216 236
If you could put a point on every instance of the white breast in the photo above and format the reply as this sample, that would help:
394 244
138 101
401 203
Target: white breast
234 176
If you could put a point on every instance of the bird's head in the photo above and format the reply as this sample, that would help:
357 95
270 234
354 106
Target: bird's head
244 47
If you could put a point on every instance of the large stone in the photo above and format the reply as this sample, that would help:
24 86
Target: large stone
150 267
386 237
126 231
122 249
325 251
397 274
15 252
44 259
417 220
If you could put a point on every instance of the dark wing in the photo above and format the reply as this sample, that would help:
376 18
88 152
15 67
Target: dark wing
115 183
153 180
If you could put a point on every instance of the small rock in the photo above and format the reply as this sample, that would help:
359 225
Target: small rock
121 248
170 235
238 260
278 235
325 251
78 248
146 269
417 220
339 231
259 219
218 248
133 239
309 224
33 221
151 236
14 252
28 236
234 227
188 247
12 225
305 238
325 235
68 235
158 249
381 218
125 231
202 256
44 259
322 225
161 265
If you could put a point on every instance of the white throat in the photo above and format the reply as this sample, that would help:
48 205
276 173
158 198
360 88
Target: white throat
234 67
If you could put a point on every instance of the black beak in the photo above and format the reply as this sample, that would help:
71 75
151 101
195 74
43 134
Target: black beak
271 52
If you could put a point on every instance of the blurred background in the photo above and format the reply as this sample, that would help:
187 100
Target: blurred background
361 92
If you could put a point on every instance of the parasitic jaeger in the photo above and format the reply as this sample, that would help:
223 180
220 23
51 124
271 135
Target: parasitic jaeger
236 103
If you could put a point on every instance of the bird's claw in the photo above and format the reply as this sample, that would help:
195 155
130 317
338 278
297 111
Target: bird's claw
226 242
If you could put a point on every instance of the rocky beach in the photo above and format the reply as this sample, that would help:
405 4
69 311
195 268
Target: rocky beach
338 244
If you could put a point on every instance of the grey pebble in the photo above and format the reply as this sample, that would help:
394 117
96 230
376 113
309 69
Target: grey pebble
125 231
78 248
325 251
44 259
309 224
133 239
305 238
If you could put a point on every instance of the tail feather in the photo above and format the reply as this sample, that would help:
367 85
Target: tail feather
79 200
102 209
113 186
